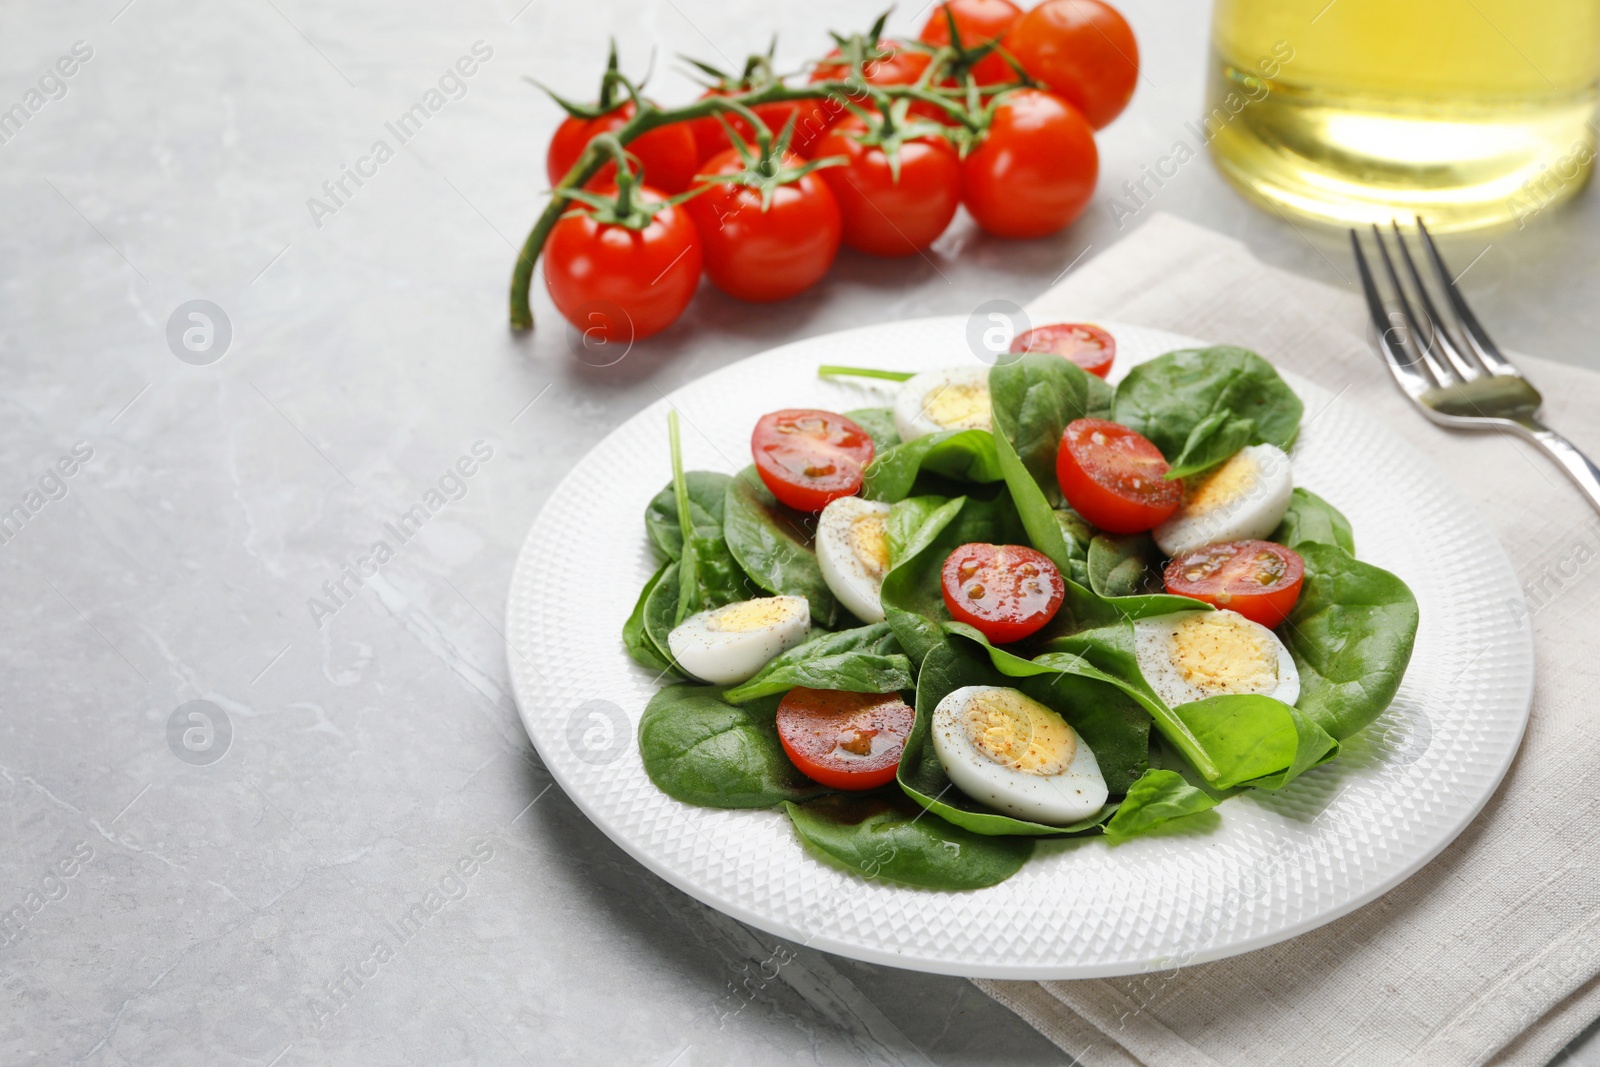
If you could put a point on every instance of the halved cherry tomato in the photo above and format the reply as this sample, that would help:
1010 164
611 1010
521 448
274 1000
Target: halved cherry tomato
1082 49
885 215
1034 171
710 138
667 155
1258 579
978 22
844 740
894 65
1089 347
765 252
1005 591
808 457
1114 477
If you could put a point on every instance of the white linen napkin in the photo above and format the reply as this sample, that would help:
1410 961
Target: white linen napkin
1490 953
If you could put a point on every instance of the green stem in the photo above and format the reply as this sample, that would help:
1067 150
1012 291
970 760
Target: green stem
680 488
831 371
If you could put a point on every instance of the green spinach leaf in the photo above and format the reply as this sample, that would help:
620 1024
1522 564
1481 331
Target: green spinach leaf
864 660
1126 570
708 575
1158 797
1255 739
880 835
774 545
879 424
700 749
1311 518
705 489
966 455
636 636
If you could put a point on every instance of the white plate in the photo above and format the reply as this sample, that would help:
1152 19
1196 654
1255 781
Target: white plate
1266 867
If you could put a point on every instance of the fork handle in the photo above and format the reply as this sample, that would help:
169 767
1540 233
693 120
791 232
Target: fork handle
1577 465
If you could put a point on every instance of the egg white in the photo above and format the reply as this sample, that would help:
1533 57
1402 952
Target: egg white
730 644
1074 792
1242 498
854 576
1168 646
916 407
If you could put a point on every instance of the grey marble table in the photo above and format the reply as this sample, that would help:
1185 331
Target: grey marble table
241 887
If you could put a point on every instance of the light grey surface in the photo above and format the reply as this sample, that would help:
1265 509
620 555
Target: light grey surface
373 753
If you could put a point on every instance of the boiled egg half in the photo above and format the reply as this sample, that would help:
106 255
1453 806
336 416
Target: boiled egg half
1012 753
1243 498
1192 655
956 398
853 554
728 645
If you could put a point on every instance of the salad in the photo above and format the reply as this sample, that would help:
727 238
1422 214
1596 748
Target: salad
1017 602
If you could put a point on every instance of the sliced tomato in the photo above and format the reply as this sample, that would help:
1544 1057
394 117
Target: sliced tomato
1005 591
809 457
844 740
1258 579
1115 477
1089 347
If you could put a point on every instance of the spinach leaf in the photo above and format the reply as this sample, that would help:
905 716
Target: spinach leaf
700 749
1351 635
881 835
966 455
773 543
661 611
1126 570
879 424
705 489
864 660
950 666
708 575
1311 518
1201 405
1158 797
1254 739
636 634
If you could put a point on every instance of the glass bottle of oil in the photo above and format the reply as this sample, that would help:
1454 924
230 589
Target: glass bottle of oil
1468 113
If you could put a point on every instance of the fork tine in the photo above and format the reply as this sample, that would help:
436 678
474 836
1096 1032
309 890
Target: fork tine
1401 366
1487 351
1414 341
1463 361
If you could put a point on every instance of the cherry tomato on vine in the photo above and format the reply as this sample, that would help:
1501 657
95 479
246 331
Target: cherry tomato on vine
1258 579
710 138
1006 591
667 155
1115 477
844 740
765 253
1088 346
1034 170
894 64
808 457
978 22
617 283
883 215
1082 49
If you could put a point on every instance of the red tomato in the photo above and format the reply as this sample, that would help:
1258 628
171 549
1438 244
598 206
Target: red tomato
1034 171
1115 478
710 138
1089 347
844 740
667 155
883 216
765 254
978 22
808 457
619 284
1258 579
897 65
1082 49
1006 591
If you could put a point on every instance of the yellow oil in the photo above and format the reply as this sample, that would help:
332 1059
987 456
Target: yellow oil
1468 113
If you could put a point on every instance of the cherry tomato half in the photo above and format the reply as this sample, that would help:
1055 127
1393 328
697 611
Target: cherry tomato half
710 138
978 22
1082 49
808 457
1114 477
667 155
1005 591
1258 579
619 285
1034 171
844 740
765 253
1089 347
885 216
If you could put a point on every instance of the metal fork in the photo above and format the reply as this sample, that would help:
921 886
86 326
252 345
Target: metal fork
1452 371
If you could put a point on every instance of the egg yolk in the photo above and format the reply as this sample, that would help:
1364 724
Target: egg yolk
1015 732
1232 480
748 615
1220 652
869 543
965 406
